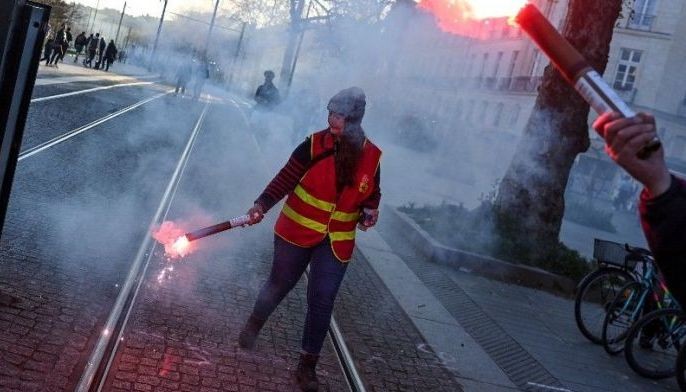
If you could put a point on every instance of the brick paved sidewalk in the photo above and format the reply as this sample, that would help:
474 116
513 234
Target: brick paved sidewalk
531 335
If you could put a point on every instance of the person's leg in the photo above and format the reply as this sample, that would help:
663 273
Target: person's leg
55 54
288 266
47 57
325 277
178 86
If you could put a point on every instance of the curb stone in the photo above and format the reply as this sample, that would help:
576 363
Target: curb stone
404 227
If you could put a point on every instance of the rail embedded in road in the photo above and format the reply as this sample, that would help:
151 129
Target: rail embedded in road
102 355
59 139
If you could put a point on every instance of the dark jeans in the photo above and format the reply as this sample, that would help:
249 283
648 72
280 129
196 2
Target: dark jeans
325 276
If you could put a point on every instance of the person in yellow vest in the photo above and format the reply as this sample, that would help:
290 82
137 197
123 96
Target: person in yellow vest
332 184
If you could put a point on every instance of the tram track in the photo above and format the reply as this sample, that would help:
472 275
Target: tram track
97 367
103 355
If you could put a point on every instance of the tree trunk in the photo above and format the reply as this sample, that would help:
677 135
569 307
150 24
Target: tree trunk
530 200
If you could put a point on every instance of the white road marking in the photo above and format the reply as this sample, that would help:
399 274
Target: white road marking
551 388
86 78
59 139
90 90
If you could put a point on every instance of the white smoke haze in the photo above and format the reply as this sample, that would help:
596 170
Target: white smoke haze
444 139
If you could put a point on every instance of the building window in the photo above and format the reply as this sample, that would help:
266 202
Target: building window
643 14
497 64
513 63
625 78
498 114
506 31
515 115
535 71
484 111
469 114
483 65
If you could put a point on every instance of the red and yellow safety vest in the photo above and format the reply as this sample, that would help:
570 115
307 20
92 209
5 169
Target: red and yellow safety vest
312 211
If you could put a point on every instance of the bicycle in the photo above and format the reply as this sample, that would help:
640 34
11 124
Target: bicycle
596 291
635 299
653 343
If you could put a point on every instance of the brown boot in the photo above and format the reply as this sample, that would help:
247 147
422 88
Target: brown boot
248 335
306 375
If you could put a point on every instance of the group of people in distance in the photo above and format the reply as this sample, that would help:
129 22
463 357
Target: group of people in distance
59 42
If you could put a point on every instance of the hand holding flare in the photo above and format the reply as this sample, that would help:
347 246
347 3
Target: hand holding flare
177 244
576 70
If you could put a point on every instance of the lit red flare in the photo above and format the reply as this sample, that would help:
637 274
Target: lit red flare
463 16
172 236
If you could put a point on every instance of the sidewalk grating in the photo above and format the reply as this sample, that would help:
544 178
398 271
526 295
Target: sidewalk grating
519 366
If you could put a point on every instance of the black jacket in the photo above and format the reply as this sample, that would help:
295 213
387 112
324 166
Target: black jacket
664 223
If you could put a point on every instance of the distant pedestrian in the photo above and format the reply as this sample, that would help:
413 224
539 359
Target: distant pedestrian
66 44
183 75
79 44
267 95
47 49
101 53
201 73
92 48
110 54
58 46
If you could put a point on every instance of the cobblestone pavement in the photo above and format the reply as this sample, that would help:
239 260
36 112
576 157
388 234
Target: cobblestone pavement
70 232
519 326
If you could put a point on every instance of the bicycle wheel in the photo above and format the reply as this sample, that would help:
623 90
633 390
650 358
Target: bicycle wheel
654 341
681 368
594 294
624 310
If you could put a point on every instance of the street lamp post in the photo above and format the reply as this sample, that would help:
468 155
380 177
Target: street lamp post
157 37
97 5
116 38
209 32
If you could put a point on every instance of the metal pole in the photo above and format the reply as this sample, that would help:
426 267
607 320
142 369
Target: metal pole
209 32
116 38
157 37
297 54
128 35
97 5
238 52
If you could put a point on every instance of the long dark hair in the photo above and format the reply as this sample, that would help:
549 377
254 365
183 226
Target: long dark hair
348 151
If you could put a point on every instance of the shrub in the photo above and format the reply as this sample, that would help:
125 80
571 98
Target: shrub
476 231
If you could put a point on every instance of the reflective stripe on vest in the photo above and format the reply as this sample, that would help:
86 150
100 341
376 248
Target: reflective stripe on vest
307 222
313 201
314 209
342 235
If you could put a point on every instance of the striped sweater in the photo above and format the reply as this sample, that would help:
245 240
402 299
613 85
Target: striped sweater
289 177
